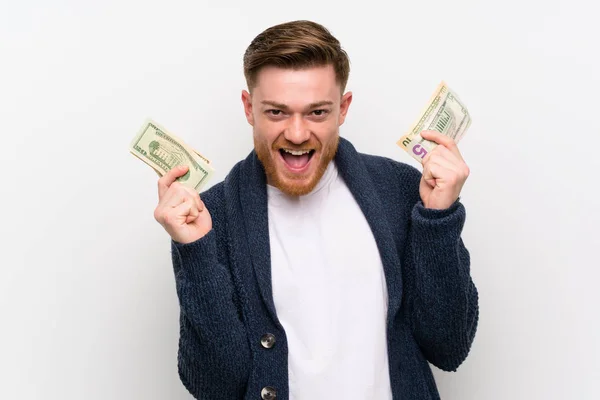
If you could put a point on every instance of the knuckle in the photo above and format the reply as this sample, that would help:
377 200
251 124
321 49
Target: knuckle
161 186
159 215
183 190
187 196
167 218
191 191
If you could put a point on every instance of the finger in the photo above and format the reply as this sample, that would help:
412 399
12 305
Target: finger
167 180
441 139
452 156
437 137
175 195
436 173
442 151
458 163
172 197
183 194
185 212
193 212
437 158
428 175
194 195
188 209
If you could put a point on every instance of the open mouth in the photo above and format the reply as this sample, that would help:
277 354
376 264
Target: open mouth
296 160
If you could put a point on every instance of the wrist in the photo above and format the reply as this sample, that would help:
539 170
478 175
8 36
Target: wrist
428 211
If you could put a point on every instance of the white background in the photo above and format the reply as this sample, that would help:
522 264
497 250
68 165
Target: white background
87 298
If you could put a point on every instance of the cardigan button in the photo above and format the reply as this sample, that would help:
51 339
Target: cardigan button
267 340
268 393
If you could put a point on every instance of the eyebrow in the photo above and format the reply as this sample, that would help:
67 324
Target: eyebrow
285 107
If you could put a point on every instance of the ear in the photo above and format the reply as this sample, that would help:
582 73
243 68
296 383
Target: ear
344 105
247 101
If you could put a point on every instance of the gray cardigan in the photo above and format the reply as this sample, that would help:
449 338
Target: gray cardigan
232 345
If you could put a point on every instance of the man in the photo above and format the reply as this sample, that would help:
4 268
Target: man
314 271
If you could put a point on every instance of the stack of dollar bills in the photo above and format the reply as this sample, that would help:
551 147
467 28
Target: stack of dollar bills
164 151
444 113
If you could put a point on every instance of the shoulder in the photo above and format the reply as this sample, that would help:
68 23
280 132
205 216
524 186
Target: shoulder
215 195
396 184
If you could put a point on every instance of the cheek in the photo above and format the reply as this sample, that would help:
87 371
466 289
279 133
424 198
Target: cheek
267 133
326 133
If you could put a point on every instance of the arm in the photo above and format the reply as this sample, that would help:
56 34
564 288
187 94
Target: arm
441 295
214 354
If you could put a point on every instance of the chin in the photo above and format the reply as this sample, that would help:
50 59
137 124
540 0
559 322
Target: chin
294 184
297 187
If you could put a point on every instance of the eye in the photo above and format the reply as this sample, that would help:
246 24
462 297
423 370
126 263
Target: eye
320 113
274 112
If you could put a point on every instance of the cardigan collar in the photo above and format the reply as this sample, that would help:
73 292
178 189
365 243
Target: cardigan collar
249 187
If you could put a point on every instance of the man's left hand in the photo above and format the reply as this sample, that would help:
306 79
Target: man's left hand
444 172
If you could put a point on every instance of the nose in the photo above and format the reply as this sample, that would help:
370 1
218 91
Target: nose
296 131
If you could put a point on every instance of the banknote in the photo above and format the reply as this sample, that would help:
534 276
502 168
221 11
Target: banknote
206 160
444 113
163 151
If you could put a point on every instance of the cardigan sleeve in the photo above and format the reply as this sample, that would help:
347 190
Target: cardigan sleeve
213 348
442 296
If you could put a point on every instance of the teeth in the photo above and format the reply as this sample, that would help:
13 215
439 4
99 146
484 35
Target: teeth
296 152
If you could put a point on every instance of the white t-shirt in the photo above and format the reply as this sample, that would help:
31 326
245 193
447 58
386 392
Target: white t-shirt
330 293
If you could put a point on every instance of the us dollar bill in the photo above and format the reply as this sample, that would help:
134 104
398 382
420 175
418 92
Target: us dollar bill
444 113
163 151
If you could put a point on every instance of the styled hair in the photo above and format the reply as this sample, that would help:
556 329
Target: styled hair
296 45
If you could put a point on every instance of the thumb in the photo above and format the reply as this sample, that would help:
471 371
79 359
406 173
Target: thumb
167 180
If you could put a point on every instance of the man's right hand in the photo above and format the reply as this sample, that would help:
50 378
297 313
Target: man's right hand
180 210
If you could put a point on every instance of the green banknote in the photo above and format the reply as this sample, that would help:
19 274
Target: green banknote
164 151
444 113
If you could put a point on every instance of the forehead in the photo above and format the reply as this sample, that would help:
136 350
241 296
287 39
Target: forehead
297 86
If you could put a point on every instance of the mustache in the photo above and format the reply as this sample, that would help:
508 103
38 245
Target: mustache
283 143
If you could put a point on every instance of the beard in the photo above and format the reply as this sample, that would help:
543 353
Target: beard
290 184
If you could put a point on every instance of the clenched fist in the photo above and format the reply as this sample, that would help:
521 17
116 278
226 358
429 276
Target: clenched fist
180 210
444 172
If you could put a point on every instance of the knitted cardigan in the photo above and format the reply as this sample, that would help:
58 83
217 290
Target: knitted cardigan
223 283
